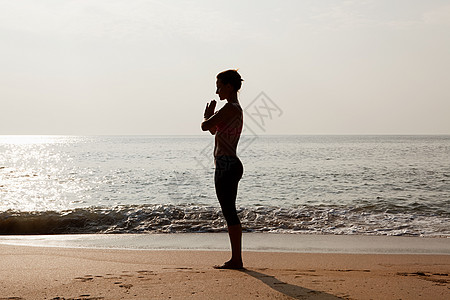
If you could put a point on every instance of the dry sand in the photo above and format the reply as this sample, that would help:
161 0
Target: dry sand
70 273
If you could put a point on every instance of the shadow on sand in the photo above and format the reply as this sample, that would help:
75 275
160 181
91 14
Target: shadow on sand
294 291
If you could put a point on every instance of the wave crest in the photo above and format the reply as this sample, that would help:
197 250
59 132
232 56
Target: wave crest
194 218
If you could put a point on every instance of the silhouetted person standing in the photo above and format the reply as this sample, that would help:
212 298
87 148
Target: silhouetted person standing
226 124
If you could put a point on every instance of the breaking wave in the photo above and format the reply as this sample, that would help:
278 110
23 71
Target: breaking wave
194 218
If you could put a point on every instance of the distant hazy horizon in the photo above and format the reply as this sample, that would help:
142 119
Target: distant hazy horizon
22 138
148 67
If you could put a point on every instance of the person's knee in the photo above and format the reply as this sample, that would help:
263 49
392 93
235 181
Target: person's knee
232 219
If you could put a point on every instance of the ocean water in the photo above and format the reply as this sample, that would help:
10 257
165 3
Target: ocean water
366 185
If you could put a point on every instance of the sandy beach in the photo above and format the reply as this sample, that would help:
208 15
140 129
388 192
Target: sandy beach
28 272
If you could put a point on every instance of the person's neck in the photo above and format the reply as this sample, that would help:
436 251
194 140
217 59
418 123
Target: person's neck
233 99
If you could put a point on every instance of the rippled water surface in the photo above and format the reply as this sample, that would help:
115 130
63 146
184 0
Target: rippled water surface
393 185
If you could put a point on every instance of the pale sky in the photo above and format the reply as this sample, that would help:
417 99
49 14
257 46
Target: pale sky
88 67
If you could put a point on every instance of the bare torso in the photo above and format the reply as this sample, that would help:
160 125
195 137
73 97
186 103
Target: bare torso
228 133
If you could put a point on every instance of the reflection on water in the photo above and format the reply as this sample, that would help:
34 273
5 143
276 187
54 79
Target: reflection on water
40 173
30 139
37 174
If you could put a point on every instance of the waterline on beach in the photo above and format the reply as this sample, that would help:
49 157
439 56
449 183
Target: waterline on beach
260 242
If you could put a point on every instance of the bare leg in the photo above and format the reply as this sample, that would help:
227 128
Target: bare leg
235 234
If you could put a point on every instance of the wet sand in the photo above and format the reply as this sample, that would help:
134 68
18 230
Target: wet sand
28 272
257 242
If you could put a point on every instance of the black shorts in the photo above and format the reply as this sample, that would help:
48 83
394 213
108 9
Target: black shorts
228 172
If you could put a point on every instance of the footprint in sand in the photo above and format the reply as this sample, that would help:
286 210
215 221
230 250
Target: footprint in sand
81 297
85 278
126 286
440 278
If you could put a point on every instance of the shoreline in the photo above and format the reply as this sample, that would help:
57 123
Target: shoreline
256 242
69 273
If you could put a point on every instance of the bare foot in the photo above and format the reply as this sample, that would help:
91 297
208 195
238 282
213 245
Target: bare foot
230 265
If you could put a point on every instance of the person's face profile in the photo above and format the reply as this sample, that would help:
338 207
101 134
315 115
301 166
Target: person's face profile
223 90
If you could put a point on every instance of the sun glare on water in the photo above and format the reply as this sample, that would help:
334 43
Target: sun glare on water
32 174
28 139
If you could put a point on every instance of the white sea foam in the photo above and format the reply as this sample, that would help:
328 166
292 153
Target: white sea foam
193 218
